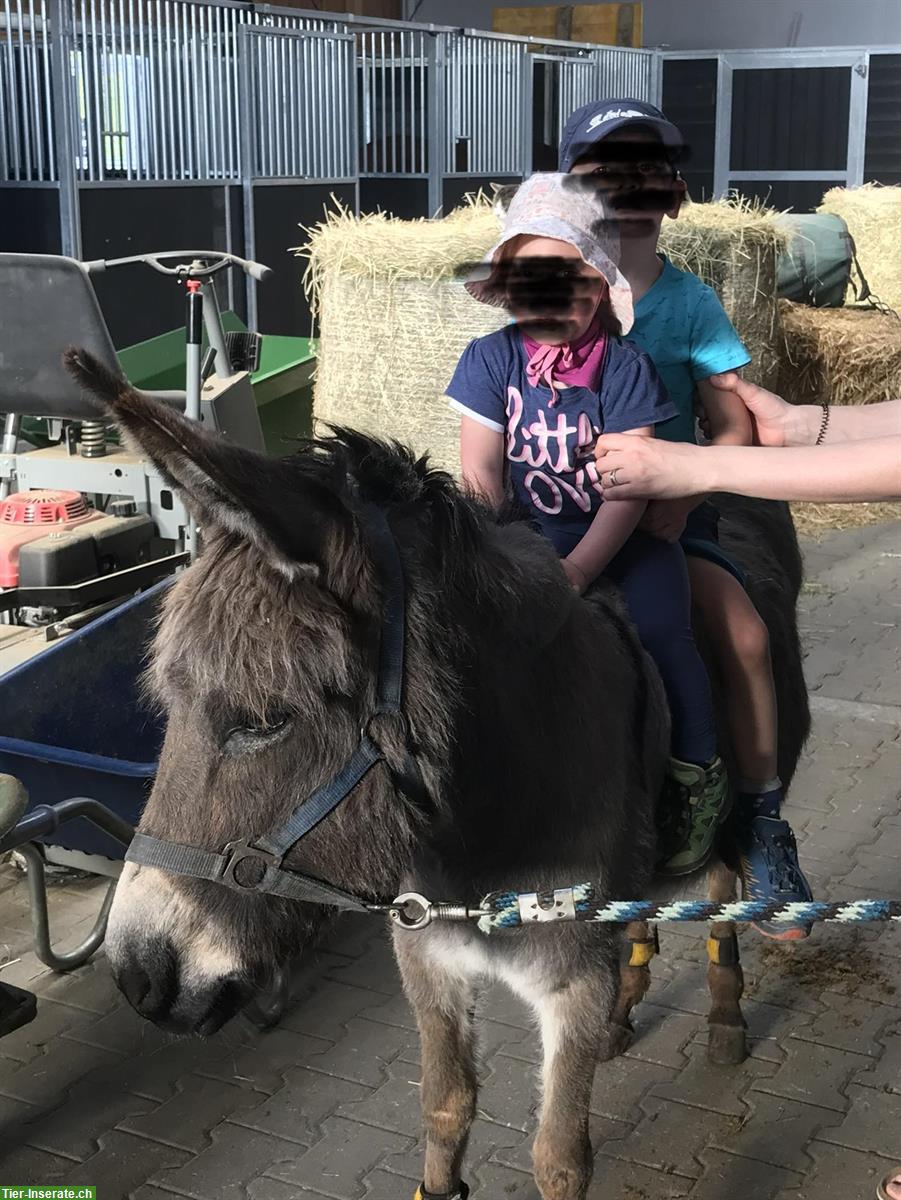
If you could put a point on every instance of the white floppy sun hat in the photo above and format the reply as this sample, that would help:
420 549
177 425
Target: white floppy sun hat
560 206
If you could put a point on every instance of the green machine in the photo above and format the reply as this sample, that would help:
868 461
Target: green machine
282 383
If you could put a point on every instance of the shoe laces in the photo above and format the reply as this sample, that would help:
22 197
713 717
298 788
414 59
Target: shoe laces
674 817
780 853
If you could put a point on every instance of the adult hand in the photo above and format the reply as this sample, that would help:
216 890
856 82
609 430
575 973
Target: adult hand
665 519
771 416
633 468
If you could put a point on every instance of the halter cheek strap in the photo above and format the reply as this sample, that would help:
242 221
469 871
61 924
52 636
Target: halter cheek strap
256 866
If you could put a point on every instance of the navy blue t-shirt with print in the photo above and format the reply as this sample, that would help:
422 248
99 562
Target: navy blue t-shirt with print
550 446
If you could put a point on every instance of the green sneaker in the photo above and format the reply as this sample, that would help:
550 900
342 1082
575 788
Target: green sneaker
695 802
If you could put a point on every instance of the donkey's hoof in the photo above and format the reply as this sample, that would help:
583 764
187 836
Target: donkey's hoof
727 1045
616 1041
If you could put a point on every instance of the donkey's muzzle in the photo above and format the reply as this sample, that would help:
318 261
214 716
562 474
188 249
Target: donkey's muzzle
150 979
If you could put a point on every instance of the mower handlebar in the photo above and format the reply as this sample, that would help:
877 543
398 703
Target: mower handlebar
195 264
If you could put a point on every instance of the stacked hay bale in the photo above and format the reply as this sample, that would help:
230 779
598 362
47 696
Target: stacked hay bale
851 355
873 216
394 317
841 355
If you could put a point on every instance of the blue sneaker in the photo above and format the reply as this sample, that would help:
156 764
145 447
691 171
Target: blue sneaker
770 871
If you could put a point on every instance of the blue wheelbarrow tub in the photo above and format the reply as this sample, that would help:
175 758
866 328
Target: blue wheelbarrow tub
73 722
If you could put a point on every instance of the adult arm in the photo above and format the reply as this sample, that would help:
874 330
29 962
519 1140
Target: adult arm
860 470
777 423
730 425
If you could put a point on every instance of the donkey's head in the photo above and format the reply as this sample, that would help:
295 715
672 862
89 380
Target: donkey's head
265 662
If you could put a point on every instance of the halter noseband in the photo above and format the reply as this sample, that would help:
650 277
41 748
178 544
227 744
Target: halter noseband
256 866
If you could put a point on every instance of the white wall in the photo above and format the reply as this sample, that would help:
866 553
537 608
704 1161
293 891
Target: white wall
722 24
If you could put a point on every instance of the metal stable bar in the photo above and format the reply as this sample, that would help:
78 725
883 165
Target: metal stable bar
723 131
435 83
62 129
857 121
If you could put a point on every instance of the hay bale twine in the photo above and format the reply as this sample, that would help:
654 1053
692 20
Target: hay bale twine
873 216
839 355
394 318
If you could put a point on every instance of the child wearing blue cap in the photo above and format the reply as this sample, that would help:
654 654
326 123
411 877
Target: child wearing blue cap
627 152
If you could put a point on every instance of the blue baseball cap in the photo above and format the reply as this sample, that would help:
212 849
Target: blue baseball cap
591 123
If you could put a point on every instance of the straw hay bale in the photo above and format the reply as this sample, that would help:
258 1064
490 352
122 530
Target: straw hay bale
873 216
394 318
840 355
816 520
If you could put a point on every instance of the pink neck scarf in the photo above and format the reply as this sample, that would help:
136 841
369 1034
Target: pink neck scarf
574 364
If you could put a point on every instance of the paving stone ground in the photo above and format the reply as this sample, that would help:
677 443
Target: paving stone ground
326 1105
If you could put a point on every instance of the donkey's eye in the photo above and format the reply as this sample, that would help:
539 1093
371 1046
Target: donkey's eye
257 735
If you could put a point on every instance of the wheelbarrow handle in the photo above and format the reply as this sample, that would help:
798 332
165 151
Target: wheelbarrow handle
47 818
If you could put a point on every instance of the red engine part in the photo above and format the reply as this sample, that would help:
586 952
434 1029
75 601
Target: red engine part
26 516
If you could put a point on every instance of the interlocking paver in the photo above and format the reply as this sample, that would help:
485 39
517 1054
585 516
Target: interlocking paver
838 1174
327 1105
224 1169
732 1175
186 1121
73 1127
618 1180
488 1140
848 1023
873 1123
337 1164
364 1050
297 1110
716 1091
670 1136
621 1084
123 1162
777 1131
326 1009
885 1072
814 1074
52 1020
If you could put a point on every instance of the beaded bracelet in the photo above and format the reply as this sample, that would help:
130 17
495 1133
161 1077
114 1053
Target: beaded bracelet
824 425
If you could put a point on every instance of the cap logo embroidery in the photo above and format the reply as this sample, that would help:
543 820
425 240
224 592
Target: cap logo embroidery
614 114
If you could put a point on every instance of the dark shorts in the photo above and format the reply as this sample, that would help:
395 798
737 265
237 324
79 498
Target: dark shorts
701 539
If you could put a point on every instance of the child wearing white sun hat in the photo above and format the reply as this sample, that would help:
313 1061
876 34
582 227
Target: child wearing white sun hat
533 398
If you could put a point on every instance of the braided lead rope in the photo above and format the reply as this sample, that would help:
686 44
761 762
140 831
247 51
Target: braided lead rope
505 910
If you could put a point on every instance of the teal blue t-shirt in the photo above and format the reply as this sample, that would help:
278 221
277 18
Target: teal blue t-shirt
683 328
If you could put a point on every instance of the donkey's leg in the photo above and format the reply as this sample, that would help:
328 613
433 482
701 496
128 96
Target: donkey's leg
727 1043
573 1019
442 1003
637 947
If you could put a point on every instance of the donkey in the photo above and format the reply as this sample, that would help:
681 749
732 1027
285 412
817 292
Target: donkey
535 723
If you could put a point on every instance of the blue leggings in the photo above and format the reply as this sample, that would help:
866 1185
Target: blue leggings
654 579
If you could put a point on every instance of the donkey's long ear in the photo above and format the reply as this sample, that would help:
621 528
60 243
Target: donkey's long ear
293 518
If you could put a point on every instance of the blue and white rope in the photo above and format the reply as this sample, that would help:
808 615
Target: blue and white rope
501 910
